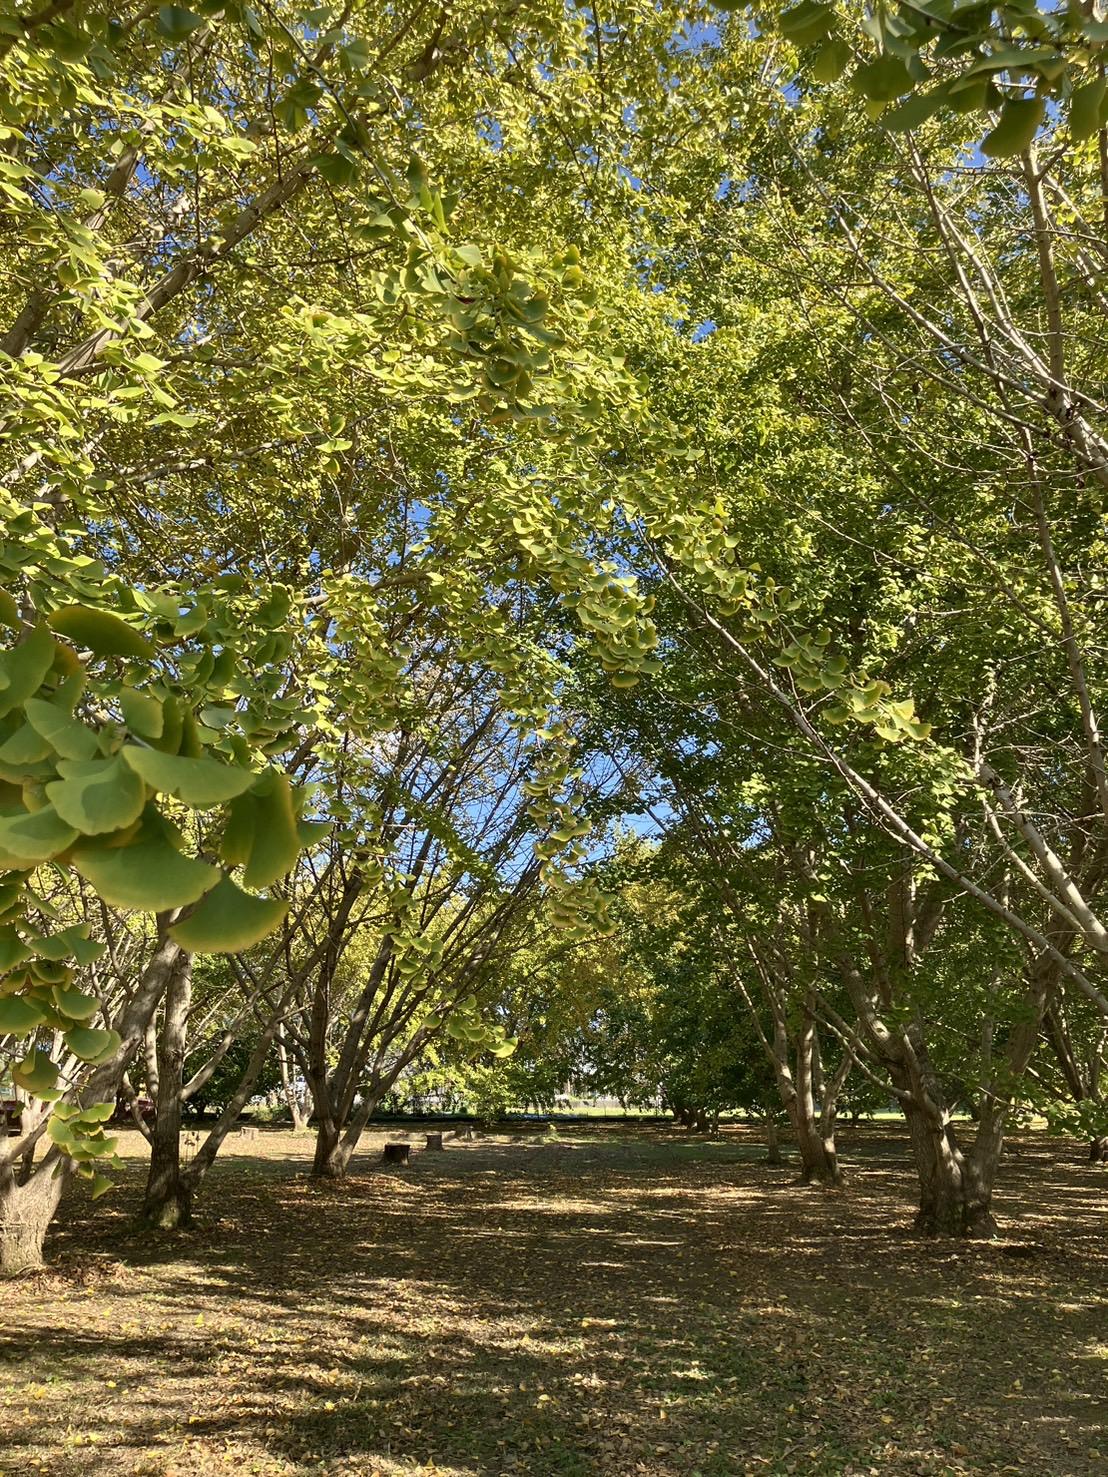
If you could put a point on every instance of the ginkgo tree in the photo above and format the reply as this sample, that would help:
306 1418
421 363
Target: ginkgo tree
258 252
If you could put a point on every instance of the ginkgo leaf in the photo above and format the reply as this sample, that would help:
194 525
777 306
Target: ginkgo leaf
98 796
35 1074
91 1045
228 920
18 1016
149 874
69 941
25 746
200 783
142 714
65 734
35 836
275 843
1018 124
102 633
13 950
23 668
74 1004
175 22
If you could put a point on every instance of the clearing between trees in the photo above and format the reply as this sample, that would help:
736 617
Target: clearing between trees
611 1300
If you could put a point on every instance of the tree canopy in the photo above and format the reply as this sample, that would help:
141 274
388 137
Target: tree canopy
435 441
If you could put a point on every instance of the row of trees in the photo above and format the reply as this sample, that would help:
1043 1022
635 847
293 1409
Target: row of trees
429 437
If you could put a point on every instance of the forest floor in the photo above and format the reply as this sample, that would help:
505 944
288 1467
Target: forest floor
614 1302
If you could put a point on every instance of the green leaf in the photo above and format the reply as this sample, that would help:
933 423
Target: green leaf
13 950
60 945
197 782
34 837
74 1004
100 1186
101 633
228 920
914 110
336 169
36 1074
275 608
51 971
883 79
831 60
1018 125
148 874
276 842
9 611
175 22
806 22
19 1017
142 714
309 832
1086 106
92 1046
23 669
1013 59
25 746
69 942
237 841
65 734
99 796
60 1132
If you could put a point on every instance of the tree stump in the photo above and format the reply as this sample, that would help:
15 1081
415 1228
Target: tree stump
434 1140
396 1153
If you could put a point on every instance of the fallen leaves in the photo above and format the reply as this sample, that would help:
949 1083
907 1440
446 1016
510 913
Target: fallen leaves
649 1313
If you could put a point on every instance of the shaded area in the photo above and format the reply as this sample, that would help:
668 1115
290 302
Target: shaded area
615 1302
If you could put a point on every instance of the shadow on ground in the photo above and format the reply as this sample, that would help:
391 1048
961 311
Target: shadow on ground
614 1303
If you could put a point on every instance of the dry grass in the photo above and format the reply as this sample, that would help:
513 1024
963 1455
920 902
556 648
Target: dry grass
621 1301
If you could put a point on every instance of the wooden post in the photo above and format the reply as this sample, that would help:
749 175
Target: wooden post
397 1153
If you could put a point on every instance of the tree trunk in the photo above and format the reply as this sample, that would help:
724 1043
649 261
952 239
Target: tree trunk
33 1113
299 1111
819 1160
168 1201
952 1200
193 1177
773 1143
330 1162
26 1210
950 1204
815 1132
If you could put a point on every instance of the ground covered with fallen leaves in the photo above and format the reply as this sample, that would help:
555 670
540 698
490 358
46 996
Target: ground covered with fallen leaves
604 1303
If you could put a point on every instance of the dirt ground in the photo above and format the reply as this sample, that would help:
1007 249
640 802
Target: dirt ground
611 1302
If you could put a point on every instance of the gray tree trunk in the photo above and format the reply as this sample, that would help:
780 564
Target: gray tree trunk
299 1111
168 1199
27 1209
